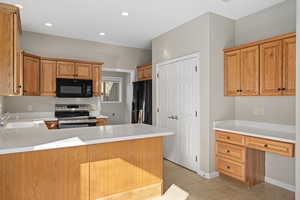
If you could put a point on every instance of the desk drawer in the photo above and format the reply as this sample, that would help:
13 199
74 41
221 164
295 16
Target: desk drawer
231 168
232 152
230 138
282 148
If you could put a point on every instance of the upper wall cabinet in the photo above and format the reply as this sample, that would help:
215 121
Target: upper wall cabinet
242 72
65 69
265 68
74 70
31 76
144 72
10 51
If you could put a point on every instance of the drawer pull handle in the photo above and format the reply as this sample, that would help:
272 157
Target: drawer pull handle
228 151
266 145
228 167
228 138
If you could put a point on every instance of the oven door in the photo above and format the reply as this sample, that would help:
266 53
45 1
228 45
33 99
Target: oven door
74 88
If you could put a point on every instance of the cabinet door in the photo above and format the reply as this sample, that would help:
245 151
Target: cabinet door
60 174
48 78
271 68
31 76
83 71
65 70
97 78
232 73
250 71
18 58
289 66
6 53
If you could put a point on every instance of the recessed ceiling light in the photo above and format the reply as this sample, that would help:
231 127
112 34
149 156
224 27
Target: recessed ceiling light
19 6
102 34
124 13
48 24
226 1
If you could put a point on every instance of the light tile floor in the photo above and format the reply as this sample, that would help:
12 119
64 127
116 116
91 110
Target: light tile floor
219 188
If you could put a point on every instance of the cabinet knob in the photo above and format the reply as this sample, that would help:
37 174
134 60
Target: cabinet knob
279 89
228 138
228 151
228 167
19 86
266 146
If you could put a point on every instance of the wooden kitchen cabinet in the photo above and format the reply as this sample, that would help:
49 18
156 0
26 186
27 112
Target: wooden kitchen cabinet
241 71
271 68
144 72
83 71
242 157
31 77
289 66
10 51
97 79
65 69
48 78
265 68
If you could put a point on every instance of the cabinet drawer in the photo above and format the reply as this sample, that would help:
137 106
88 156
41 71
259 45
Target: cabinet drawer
231 168
232 152
282 148
230 138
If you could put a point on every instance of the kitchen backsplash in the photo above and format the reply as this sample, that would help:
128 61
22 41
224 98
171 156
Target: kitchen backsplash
45 104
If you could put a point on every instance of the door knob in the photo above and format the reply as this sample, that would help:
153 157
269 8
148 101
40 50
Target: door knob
175 117
171 117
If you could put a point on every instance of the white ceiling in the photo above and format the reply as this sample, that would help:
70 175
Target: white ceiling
85 19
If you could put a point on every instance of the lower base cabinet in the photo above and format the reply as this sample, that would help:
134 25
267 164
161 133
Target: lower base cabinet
243 157
130 170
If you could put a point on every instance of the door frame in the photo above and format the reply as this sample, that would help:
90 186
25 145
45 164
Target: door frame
198 138
129 92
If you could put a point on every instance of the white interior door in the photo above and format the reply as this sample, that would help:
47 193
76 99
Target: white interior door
178 103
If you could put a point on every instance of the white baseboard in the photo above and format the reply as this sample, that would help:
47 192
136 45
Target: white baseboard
280 184
208 175
267 180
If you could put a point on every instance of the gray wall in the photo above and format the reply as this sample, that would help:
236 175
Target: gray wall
298 106
59 47
196 37
118 112
113 56
273 21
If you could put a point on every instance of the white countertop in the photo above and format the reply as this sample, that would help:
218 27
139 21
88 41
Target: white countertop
277 132
38 137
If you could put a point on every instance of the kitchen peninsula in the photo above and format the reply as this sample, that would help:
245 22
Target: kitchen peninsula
106 162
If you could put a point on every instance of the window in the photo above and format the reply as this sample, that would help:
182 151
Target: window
112 89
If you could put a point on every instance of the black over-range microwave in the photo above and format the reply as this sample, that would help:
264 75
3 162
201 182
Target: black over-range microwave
74 88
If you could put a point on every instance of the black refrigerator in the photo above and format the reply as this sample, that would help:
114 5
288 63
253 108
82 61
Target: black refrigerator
142 102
